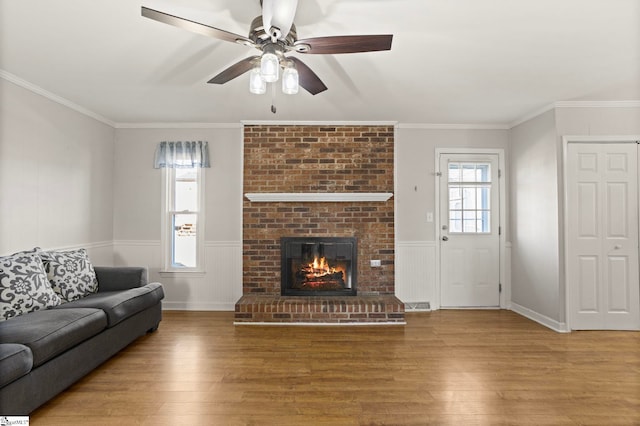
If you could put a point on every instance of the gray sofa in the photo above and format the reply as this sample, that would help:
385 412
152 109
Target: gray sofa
45 351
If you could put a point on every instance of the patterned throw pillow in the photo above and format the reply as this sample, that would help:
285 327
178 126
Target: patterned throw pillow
24 286
70 273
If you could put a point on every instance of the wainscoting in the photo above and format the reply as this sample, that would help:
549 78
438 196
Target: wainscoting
220 287
416 273
217 289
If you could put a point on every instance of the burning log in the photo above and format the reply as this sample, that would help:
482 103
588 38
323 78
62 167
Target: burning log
319 275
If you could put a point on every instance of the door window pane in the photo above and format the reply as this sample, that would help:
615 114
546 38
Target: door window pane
455 221
455 198
469 197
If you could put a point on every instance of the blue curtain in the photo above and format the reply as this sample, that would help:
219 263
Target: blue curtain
182 155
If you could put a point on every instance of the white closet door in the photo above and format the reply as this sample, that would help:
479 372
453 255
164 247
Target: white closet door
602 270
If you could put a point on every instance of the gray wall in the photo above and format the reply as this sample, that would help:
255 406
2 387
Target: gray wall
56 175
535 263
415 158
137 185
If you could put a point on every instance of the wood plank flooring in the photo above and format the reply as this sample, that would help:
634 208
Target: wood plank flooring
442 368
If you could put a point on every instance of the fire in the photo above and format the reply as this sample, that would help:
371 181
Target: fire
319 267
320 275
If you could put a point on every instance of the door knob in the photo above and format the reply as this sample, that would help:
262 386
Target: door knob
445 238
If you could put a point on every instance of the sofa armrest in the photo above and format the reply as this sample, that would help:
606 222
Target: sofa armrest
113 278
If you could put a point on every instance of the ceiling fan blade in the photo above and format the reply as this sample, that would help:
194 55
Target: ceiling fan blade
234 70
195 27
307 78
344 44
279 14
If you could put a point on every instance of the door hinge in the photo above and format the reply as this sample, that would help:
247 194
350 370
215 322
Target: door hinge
499 287
499 230
499 173
439 174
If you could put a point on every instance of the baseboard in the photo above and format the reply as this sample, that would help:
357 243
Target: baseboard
197 306
554 325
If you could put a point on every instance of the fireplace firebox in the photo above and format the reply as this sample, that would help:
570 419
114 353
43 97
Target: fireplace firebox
318 266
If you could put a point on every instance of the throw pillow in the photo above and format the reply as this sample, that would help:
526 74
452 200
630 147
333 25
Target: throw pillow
70 273
24 286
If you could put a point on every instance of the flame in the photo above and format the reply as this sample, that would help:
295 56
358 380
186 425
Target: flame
320 267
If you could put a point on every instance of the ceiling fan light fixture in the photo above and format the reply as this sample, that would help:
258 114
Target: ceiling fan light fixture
269 64
257 85
274 34
290 84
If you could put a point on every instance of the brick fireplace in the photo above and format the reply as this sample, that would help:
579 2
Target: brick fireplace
319 182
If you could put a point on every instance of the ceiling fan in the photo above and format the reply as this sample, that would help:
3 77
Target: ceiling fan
274 34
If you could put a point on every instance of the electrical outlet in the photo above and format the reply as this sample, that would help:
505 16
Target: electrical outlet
376 264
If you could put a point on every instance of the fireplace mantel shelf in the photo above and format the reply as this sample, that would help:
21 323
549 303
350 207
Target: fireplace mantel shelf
320 197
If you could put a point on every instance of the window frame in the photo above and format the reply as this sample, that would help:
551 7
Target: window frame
168 213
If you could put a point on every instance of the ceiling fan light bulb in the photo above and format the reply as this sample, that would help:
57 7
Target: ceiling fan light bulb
269 67
257 85
290 84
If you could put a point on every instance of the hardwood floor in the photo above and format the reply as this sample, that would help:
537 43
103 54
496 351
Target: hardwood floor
443 367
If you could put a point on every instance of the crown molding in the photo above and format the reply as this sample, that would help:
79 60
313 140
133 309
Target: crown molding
460 126
197 125
317 123
53 97
598 104
575 104
181 125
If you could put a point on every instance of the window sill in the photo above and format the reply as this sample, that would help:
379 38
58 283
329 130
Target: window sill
178 273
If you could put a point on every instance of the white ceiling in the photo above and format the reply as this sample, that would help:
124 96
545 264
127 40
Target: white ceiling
486 62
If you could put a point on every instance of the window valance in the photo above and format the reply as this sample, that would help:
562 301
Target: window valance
182 155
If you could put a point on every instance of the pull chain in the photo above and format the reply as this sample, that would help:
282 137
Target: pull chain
273 97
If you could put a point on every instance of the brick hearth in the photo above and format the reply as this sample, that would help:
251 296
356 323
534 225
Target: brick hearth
318 159
318 309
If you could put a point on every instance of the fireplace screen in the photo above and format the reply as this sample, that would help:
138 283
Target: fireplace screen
318 266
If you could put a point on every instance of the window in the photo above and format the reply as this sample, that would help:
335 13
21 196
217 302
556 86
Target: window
183 222
469 197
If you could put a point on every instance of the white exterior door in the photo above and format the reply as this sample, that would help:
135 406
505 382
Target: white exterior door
469 234
602 213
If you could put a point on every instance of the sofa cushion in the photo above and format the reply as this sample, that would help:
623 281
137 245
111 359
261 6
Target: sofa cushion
51 332
70 273
24 286
15 361
120 305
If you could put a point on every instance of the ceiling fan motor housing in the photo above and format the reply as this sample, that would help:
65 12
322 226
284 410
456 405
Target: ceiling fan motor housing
260 37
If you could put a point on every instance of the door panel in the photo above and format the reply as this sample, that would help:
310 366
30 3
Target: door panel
602 211
588 290
619 288
469 238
